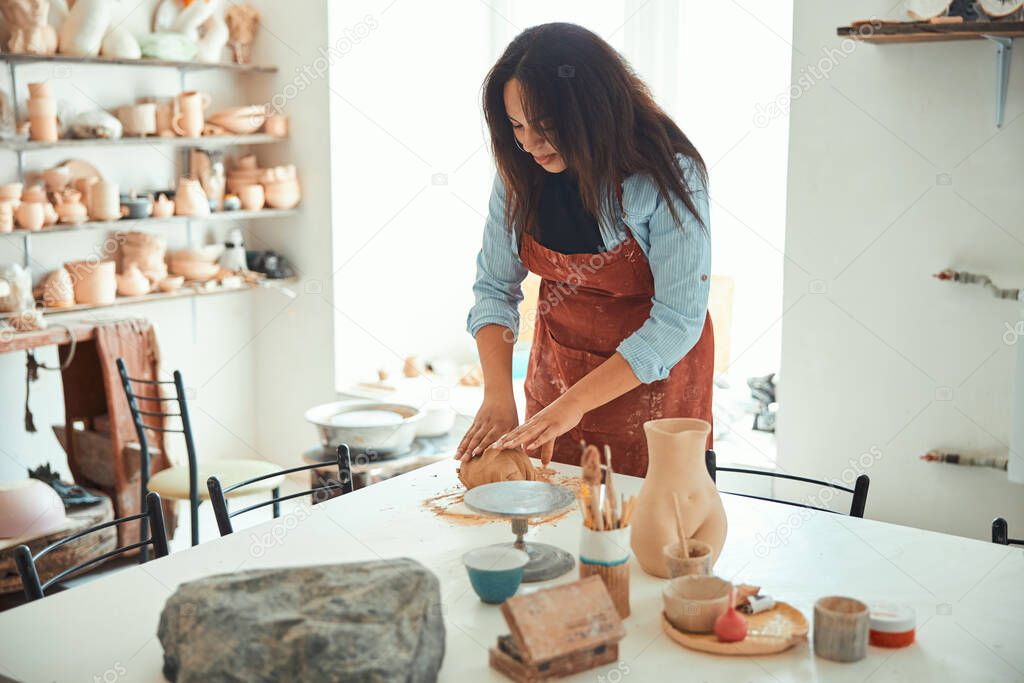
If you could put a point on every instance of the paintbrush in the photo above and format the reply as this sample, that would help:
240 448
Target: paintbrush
627 511
591 465
609 487
679 526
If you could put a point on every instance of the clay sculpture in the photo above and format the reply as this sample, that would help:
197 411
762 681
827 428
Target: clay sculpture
497 464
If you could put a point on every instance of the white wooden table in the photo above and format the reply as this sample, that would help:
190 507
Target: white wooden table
969 595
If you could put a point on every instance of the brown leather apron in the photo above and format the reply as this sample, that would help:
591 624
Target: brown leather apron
587 304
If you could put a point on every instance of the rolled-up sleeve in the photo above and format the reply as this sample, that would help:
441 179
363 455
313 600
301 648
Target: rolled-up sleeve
680 261
499 272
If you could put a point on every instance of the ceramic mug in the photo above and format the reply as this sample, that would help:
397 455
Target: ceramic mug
104 201
189 120
138 120
841 628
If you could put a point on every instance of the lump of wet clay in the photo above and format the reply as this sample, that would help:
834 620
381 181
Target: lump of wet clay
497 464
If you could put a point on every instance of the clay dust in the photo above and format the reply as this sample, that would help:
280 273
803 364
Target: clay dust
450 504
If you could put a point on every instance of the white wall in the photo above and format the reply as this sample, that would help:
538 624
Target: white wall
896 171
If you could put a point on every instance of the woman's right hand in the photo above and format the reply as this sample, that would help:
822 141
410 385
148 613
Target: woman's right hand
496 417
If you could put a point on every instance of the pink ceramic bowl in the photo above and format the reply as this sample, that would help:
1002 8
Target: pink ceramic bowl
29 507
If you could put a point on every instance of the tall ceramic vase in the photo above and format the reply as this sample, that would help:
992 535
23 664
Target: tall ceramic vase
676 464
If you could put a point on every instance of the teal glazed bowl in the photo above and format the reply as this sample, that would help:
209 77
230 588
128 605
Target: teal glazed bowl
495 571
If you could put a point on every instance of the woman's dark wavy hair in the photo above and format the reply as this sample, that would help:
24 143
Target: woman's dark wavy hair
596 112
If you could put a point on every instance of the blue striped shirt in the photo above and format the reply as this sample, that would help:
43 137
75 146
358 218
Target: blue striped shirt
679 258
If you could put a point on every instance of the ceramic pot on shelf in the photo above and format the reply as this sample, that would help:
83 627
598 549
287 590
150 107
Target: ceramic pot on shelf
95 282
104 201
58 291
42 116
31 214
189 120
276 125
163 207
138 120
132 282
252 197
190 200
164 116
6 217
40 89
676 465
56 178
11 192
70 209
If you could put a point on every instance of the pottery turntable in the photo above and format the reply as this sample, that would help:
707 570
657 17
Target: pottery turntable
518 501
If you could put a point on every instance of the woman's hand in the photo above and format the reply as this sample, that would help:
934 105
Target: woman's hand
541 430
496 416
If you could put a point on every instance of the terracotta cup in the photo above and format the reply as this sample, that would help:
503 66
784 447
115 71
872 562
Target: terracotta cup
41 89
165 118
6 216
138 120
104 201
189 120
698 563
11 192
276 125
252 197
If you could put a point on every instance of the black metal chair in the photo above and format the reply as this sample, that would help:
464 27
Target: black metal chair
859 490
26 561
180 482
1001 533
218 493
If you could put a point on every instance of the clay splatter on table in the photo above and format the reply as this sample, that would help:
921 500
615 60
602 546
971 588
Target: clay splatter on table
450 504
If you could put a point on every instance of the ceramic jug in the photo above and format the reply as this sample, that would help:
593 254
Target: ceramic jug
190 200
676 464
70 209
189 120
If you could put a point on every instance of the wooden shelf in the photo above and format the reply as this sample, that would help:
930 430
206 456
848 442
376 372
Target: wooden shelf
923 31
133 223
209 141
189 291
1000 33
183 66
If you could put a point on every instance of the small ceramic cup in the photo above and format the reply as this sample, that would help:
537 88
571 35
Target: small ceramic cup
252 197
692 603
697 564
495 571
841 629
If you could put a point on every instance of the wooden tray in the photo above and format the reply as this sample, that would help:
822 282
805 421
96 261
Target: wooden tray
774 630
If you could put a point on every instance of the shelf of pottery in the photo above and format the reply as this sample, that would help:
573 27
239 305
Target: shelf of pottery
74 195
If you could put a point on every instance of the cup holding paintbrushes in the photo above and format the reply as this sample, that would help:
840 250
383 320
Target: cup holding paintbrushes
604 542
686 556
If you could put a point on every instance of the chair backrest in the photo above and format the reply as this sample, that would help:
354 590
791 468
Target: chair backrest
218 494
157 413
859 490
1001 533
26 561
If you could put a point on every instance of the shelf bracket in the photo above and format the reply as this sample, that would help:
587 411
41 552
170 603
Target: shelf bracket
1004 53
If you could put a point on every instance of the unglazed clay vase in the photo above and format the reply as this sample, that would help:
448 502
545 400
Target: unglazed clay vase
70 208
132 282
31 215
676 465
189 199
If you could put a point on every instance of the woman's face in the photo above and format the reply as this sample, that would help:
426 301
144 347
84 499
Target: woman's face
529 137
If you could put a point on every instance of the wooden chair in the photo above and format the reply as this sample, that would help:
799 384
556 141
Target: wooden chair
218 492
26 561
1001 533
182 482
859 490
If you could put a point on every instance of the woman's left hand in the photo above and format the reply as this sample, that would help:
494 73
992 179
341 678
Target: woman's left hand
541 430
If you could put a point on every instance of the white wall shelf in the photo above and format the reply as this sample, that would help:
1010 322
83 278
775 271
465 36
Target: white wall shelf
206 142
183 66
136 223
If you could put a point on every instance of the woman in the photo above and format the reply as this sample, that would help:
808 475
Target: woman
605 198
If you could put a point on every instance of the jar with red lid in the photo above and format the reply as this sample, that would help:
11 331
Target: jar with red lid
891 625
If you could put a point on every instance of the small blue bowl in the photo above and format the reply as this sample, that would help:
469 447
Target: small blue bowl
495 571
